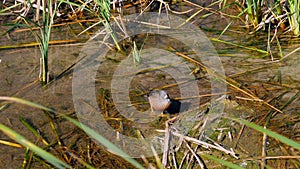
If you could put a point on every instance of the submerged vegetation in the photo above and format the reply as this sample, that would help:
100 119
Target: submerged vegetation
40 17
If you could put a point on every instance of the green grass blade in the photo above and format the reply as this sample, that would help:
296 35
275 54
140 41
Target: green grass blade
26 102
26 158
223 162
226 28
270 133
9 8
80 6
39 151
105 142
234 44
33 130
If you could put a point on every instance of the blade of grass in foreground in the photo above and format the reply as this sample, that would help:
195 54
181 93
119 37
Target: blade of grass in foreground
223 162
270 133
89 131
104 141
39 151
26 102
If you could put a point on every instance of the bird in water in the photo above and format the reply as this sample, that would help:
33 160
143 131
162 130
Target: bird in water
160 101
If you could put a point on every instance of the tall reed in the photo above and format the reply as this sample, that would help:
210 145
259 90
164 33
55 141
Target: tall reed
44 26
254 11
102 10
48 14
294 16
104 6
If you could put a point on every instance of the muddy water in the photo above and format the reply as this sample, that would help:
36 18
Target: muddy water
19 78
254 71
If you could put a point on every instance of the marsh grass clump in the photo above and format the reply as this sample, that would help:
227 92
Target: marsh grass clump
279 14
39 18
45 26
